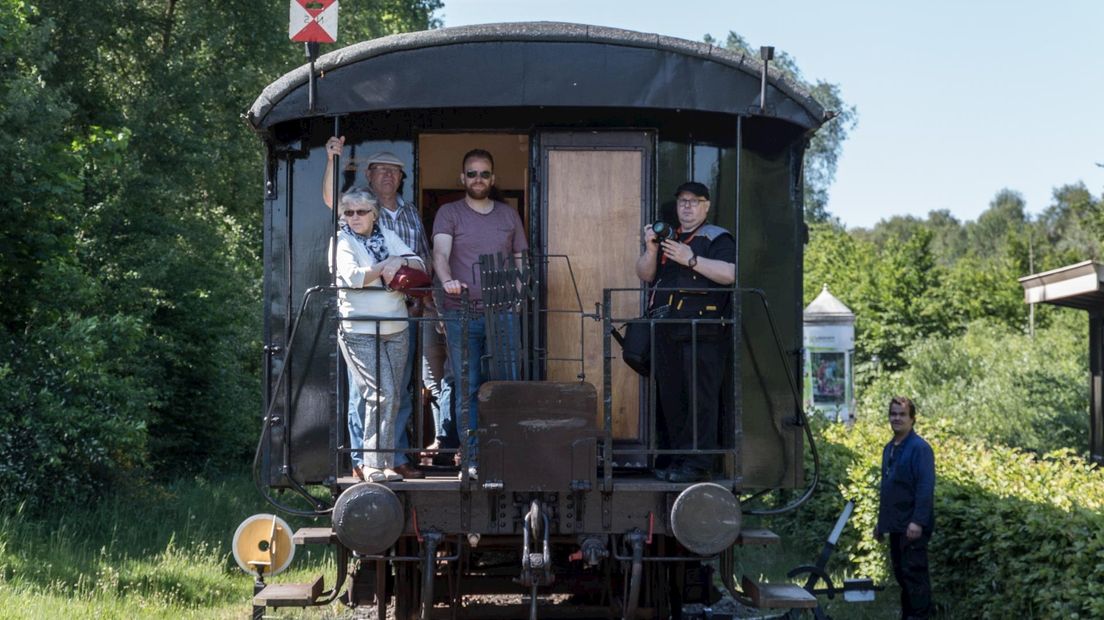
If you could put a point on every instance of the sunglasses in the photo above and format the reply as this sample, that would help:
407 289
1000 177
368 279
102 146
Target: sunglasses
690 202
483 174
360 212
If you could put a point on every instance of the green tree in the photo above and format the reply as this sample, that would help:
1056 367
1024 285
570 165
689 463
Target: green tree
949 238
899 306
893 289
1072 227
976 288
130 337
36 170
1004 220
76 397
822 155
838 259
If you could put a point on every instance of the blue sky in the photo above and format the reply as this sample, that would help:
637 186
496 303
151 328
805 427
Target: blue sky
956 99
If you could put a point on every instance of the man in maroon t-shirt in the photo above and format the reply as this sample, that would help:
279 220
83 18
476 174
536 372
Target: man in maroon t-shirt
462 232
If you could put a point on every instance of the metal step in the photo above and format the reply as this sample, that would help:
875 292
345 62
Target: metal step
758 536
313 536
289 594
778 595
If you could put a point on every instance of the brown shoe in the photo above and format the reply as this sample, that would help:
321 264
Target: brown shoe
408 471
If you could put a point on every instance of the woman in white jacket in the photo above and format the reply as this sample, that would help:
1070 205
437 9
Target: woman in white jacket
368 255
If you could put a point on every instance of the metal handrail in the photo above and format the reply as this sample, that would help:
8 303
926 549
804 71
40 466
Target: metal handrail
609 320
320 506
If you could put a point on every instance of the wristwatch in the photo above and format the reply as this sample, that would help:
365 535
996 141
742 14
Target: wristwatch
693 262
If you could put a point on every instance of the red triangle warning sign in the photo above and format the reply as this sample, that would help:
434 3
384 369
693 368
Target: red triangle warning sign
313 21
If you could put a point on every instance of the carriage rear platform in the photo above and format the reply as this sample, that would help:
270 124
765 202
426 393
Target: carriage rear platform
592 129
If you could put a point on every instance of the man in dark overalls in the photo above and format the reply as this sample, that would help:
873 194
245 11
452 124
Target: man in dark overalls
906 508
689 363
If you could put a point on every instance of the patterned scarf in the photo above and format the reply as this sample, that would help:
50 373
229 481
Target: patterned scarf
374 243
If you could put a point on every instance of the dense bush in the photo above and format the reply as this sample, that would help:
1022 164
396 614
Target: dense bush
1016 535
73 412
999 384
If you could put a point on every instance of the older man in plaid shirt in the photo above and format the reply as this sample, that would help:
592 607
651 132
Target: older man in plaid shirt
385 176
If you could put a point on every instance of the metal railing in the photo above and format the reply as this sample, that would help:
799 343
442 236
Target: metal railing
512 292
664 328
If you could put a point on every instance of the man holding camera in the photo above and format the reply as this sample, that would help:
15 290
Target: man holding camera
689 361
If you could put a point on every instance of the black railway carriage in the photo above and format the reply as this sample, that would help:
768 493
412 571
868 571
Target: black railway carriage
592 129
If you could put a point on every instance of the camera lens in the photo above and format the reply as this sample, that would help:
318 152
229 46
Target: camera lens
662 231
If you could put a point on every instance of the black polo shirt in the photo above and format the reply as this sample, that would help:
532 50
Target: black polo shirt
707 241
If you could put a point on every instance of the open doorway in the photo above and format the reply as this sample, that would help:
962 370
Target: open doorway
438 176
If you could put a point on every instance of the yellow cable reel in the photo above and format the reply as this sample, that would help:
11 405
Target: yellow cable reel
263 545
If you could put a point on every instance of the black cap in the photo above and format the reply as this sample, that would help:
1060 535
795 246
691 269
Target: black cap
695 188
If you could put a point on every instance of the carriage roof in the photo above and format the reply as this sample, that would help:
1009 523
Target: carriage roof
534 64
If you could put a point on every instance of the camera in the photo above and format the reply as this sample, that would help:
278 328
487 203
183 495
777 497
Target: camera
663 231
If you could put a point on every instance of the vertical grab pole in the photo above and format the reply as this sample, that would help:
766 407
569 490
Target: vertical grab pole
342 404
335 195
607 392
737 415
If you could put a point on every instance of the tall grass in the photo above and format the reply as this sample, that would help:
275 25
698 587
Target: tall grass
149 552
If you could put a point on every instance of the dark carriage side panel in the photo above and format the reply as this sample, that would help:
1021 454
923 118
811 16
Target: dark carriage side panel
275 309
297 227
771 246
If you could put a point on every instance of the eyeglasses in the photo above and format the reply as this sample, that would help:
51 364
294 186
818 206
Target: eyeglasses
382 169
360 212
690 202
483 174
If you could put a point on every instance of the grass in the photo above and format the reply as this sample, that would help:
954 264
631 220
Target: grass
152 552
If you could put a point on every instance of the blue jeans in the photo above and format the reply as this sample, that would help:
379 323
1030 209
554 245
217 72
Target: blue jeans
406 407
355 420
375 365
437 378
508 340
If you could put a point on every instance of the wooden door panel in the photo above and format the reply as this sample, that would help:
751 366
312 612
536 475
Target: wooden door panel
594 218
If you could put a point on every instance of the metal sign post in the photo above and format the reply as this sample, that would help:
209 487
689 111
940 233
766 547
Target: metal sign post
313 22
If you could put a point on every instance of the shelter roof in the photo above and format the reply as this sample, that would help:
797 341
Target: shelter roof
1080 285
826 308
812 115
